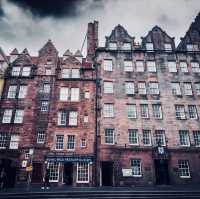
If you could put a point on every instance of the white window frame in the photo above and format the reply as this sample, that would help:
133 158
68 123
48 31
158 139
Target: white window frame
19 115
172 67
149 46
148 132
75 93
83 142
180 112
7 116
65 73
14 141
127 46
16 71
112 45
157 111
22 91
197 88
108 110
73 118
139 171
26 70
183 67
196 137
154 88
188 88
131 111
184 138
12 90
183 165
46 88
160 136
133 136
168 47
88 172
192 112
130 88
75 73
144 111
40 137
108 87
59 144
139 66
128 66
44 106
142 90
62 118
151 66
108 65
4 140
64 94
176 88
71 141
109 137
195 67
53 165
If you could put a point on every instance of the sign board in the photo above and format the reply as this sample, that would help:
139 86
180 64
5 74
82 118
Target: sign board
24 163
127 172
29 168
69 159
161 150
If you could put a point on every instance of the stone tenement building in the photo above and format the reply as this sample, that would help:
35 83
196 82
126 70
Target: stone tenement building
126 115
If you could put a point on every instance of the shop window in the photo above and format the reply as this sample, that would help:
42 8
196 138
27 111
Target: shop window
136 167
53 171
183 168
82 172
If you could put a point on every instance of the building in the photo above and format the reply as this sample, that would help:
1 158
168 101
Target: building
148 108
125 115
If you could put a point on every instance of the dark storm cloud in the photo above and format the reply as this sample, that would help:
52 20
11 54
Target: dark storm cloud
55 8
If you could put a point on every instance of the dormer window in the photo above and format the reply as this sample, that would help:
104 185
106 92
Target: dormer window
26 71
126 46
168 47
192 47
149 46
113 46
16 71
75 73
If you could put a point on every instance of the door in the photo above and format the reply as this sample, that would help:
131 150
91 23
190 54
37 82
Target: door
107 173
68 173
161 171
37 173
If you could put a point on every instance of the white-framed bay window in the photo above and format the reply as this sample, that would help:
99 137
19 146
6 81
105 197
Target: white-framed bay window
82 172
75 73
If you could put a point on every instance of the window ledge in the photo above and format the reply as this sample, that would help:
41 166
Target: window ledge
186 177
82 182
137 176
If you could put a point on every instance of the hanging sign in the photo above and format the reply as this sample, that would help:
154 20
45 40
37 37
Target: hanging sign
127 172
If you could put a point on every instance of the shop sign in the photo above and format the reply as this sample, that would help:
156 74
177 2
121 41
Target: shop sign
24 163
127 172
69 159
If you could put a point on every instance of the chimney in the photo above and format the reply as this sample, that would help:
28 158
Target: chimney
92 39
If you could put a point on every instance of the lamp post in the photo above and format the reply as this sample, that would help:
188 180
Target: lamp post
30 168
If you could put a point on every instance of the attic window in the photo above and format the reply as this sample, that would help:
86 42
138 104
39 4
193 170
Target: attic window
149 46
168 47
113 46
126 46
192 47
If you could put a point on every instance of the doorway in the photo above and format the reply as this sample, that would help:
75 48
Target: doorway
9 168
68 173
107 173
161 171
37 173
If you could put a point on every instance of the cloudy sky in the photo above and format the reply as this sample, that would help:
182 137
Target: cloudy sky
30 23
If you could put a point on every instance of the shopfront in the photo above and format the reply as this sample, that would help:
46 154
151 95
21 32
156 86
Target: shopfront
70 170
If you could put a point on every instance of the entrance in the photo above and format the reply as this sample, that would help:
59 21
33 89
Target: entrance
161 171
9 168
68 173
107 173
37 173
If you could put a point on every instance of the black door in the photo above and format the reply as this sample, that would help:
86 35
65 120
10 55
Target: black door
161 171
68 173
37 173
107 173
8 167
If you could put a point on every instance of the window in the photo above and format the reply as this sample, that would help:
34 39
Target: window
12 91
180 112
40 137
183 168
73 118
82 172
196 136
85 119
168 47
139 66
160 137
44 106
151 66
157 111
7 116
130 90
47 71
183 67
133 136
19 114
128 66
176 89
71 142
144 111
184 138
46 88
15 71
83 142
109 136
132 112
107 65
87 95
172 67
14 142
192 47
108 87
197 87
108 110
26 71
4 140
126 46
53 171
192 110
65 73
22 92
187 88
64 93
154 88
136 167
113 46
75 73
74 94
59 142
142 88
149 46
195 67
62 116
146 137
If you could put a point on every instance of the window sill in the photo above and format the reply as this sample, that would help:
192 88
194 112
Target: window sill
82 182
137 176
185 177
